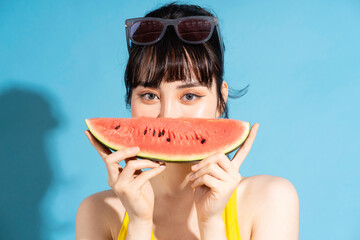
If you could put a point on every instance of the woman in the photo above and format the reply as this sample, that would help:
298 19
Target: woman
178 73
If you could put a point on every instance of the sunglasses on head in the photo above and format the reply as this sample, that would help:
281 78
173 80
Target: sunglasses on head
193 30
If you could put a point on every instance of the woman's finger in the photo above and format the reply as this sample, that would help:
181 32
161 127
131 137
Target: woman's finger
208 181
245 148
121 155
132 166
212 169
137 172
219 158
145 176
100 148
112 162
112 159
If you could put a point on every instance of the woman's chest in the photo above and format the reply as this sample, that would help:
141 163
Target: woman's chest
171 224
183 224
175 229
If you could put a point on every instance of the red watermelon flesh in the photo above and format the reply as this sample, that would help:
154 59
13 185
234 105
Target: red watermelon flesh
171 139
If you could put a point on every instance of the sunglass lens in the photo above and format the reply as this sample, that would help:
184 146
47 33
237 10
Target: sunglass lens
146 31
194 29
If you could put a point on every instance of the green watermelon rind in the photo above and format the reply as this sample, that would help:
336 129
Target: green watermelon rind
181 159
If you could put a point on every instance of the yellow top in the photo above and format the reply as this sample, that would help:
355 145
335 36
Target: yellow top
229 216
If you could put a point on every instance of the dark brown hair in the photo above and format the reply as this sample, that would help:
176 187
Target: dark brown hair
171 59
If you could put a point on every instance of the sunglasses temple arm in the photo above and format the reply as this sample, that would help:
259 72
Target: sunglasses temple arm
221 43
127 40
128 45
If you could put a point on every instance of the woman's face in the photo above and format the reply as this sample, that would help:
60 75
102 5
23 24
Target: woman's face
176 99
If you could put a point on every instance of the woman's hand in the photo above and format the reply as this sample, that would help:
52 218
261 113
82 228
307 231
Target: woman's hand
130 184
215 178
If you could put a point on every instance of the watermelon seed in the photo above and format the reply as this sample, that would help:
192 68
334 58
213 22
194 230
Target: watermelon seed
163 132
117 127
168 139
154 133
145 131
159 135
203 141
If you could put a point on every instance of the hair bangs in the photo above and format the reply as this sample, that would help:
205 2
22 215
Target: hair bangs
171 61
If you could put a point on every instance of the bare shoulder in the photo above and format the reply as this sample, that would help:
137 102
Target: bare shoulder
266 184
264 190
99 216
272 205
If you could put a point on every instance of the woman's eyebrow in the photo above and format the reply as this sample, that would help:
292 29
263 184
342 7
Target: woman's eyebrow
188 85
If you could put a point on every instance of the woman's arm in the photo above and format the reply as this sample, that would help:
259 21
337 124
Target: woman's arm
277 211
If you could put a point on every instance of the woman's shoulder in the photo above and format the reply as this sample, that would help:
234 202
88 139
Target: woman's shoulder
100 213
267 198
106 200
266 188
265 183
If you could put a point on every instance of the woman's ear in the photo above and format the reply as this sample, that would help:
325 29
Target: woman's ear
225 93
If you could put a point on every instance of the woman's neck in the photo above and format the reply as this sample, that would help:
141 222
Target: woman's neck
173 182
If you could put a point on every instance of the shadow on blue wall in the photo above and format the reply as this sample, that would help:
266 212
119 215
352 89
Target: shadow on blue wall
25 173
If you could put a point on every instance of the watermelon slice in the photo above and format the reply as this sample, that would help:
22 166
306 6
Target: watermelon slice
171 139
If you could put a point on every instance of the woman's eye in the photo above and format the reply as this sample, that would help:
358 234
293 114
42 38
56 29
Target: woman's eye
148 96
190 96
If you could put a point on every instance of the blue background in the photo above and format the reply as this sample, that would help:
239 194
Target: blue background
63 61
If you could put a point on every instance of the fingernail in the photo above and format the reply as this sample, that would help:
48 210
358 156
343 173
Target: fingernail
135 149
195 166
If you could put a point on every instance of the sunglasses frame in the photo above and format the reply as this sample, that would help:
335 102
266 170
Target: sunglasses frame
174 22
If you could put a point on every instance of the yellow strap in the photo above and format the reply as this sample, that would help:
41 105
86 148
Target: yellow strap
229 216
123 230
